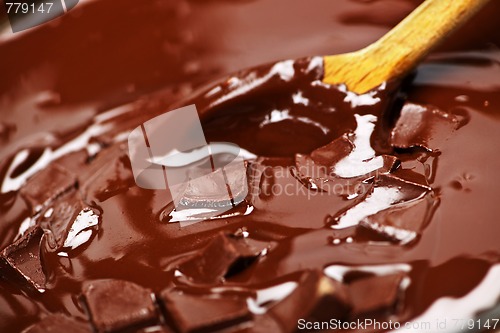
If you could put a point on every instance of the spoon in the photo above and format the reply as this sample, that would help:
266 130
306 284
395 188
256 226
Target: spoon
401 49
391 57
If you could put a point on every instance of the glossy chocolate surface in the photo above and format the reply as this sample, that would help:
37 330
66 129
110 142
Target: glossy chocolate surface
394 191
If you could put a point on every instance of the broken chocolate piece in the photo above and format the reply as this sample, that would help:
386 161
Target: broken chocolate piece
69 223
206 191
402 222
117 304
59 324
316 298
195 313
219 190
306 167
333 152
375 293
21 261
390 164
389 192
223 257
56 219
46 186
424 126
115 177
235 174
322 178
347 157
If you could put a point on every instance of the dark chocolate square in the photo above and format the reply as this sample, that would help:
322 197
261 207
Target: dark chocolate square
21 261
190 313
117 304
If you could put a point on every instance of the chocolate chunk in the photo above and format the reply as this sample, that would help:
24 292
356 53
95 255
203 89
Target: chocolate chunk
75 160
333 152
203 193
316 298
223 257
219 190
390 164
206 191
307 168
46 186
69 223
21 261
320 165
116 304
402 222
389 192
190 313
318 177
56 220
59 324
375 293
236 179
114 177
424 126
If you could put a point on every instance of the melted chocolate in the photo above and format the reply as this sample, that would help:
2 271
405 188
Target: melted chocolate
393 191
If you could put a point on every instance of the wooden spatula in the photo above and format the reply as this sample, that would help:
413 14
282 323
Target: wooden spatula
402 48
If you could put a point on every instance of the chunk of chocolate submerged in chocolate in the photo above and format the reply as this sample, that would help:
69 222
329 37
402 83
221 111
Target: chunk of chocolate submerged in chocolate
114 177
213 187
21 261
424 126
223 257
324 159
47 185
206 191
375 293
56 220
402 222
325 169
315 298
314 177
226 186
59 324
195 313
117 304
68 223
388 193
397 209
236 180
333 152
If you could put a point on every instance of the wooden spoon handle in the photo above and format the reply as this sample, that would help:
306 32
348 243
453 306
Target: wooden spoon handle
402 48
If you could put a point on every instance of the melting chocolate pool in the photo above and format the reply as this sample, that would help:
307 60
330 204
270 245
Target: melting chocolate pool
381 206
